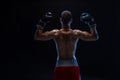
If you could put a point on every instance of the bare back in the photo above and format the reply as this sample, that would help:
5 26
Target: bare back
66 44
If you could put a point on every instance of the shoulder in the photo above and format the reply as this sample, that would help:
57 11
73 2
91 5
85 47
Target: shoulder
77 30
55 30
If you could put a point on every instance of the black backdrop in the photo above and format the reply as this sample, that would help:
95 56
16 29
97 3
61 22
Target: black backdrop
24 58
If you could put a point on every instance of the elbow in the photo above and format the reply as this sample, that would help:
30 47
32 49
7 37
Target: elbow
36 37
94 38
97 37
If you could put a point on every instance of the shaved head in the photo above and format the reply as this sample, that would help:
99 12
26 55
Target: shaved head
66 16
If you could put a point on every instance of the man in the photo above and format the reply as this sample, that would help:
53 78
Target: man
66 42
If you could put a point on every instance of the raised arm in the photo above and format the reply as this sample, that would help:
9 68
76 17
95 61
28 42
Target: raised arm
44 36
48 35
87 36
84 35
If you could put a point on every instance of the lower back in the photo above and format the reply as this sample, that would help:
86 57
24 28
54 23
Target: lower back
66 62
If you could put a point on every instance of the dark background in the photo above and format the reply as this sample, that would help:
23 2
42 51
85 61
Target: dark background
23 58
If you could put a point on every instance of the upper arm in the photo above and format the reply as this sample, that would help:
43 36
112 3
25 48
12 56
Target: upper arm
48 35
84 35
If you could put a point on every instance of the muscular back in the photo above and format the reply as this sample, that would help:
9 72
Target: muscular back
66 44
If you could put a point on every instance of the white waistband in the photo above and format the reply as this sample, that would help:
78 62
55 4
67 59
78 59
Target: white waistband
66 63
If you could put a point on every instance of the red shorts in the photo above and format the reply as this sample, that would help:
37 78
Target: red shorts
67 73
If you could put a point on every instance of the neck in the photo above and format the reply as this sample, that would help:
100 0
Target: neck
65 27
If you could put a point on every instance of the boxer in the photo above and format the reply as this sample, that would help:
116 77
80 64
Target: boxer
66 40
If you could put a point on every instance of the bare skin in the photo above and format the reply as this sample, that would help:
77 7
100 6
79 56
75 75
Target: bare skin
66 42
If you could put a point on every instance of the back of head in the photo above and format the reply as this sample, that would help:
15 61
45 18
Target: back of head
66 16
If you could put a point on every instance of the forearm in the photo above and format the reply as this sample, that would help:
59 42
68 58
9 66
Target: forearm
43 36
39 34
89 20
94 33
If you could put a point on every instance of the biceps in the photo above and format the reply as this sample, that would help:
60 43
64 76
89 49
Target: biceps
47 36
85 36
44 36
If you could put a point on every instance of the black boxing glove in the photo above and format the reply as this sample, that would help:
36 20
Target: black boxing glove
44 20
87 19
47 17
